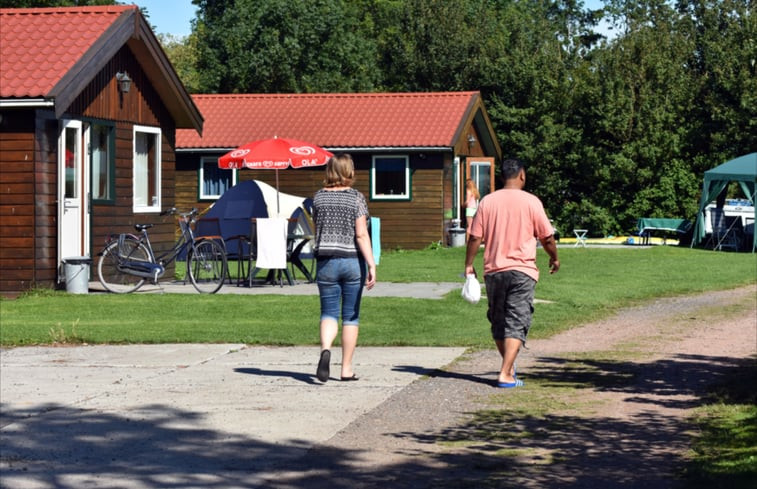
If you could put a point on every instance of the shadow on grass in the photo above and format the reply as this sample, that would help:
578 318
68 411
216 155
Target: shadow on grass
566 445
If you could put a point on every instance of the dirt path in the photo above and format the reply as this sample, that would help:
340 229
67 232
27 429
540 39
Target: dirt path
605 403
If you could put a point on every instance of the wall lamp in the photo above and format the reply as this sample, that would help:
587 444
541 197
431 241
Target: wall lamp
124 82
471 140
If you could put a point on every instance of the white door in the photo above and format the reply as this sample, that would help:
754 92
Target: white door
73 212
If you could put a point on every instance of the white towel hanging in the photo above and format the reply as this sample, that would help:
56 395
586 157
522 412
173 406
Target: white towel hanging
272 243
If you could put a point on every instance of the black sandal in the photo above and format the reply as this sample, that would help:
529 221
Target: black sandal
323 366
346 379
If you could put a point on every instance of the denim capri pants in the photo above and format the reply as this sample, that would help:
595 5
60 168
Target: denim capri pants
340 286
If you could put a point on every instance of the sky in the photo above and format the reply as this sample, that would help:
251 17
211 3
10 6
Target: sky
174 16
169 16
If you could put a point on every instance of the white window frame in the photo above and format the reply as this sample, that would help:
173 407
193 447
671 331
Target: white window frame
213 160
153 207
404 196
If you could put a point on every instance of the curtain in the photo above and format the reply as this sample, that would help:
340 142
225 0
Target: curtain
141 169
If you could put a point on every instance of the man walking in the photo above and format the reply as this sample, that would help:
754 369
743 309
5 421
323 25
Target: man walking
508 222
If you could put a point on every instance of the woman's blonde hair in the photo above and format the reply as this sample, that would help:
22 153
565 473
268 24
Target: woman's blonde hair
340 171
471 185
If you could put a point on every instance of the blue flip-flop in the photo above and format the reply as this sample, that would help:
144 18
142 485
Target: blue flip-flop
510 385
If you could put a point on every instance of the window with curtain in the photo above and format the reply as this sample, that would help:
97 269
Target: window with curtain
146 169
102 144
480 172
390 178
214 181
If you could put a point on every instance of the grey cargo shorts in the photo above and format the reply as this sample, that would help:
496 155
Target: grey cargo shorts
511 304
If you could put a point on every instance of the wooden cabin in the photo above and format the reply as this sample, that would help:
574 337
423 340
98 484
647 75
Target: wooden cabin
89 108
412 152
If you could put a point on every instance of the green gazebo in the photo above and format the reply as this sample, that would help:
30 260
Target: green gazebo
742 170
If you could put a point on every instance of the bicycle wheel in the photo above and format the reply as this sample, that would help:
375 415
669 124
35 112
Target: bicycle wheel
113 279
206 264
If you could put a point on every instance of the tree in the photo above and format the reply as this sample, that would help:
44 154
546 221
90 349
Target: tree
724 63
535 105
638 121
428 45
182 52
281 46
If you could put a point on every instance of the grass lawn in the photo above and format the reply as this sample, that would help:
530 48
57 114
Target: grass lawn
592 283
724 454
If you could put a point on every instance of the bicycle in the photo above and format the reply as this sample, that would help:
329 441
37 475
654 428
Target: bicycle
127 260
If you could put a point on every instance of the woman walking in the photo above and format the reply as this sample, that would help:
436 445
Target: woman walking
344 261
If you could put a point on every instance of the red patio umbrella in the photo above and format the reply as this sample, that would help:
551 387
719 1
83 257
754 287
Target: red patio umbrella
275 154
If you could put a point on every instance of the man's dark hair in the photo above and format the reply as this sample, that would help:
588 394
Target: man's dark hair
511 167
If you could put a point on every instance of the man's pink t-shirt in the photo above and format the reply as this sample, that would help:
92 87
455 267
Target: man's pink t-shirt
510 221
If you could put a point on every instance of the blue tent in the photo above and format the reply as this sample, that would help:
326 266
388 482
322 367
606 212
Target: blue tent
230 215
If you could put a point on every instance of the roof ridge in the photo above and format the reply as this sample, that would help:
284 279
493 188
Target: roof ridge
334 95
66 10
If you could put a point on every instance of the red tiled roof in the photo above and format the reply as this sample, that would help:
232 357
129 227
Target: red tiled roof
343 120
40 45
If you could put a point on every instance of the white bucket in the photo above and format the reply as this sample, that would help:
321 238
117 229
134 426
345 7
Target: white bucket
76 269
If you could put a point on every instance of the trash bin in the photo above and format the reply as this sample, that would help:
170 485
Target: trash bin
76 271
456 237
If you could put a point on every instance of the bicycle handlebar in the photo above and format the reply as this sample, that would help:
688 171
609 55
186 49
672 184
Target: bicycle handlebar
172 211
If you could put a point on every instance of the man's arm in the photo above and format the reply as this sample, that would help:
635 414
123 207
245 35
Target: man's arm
550 246
474 243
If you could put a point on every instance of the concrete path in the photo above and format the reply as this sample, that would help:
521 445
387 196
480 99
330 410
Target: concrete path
418 290
181 416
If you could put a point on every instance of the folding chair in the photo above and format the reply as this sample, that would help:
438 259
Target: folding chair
723 230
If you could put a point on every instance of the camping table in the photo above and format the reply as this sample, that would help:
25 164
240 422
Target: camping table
647 225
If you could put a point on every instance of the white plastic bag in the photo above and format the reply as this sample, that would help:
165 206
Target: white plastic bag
471 289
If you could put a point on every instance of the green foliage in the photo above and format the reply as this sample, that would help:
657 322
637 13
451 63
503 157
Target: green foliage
282 46
182 52
586 215
415 49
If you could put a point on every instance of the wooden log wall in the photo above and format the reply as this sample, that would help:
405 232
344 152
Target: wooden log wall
412 224
16 199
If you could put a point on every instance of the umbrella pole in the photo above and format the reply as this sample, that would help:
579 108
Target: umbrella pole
278 210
